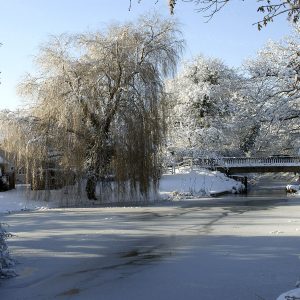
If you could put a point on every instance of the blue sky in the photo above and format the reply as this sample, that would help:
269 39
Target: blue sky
25 24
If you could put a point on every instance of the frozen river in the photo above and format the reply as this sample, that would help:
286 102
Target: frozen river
244 247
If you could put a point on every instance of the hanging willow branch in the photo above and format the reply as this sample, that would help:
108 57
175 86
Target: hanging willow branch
97 101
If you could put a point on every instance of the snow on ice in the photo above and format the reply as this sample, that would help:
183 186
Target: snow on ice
172 249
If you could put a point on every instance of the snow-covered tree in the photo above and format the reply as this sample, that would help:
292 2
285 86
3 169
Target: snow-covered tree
202 100
97 100
272 89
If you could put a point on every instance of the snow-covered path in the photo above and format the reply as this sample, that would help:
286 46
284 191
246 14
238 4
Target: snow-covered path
194 250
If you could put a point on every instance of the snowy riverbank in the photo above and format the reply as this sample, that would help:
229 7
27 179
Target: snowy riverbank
182 185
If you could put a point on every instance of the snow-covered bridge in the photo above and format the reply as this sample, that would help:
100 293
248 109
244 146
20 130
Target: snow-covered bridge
233 165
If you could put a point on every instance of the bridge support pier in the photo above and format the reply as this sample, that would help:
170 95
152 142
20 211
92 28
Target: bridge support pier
242 179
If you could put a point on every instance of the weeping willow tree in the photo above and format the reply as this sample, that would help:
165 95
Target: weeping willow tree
25 142
96 102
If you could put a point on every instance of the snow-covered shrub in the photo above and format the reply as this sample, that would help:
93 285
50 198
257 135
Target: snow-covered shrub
6 262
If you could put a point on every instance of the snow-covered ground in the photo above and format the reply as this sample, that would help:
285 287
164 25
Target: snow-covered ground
206 248
19 200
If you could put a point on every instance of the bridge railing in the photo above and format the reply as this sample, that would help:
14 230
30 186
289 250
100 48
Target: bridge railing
228 162
259 161
247 161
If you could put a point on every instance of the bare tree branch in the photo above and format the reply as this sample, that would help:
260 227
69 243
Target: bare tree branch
270 9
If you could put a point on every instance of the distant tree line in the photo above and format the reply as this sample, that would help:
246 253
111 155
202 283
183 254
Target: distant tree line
251 111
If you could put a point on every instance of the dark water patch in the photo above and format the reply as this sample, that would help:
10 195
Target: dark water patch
264 202
139 259
147 216
131 253
70 292
254 205
259 202
152 256
141 255
133 257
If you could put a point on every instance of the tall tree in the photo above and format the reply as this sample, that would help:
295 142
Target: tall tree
202 101
97 99
273 89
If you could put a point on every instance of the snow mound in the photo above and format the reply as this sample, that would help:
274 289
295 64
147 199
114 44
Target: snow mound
292 188
290 295
196 183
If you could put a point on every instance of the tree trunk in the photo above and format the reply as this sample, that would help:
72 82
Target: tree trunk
91 187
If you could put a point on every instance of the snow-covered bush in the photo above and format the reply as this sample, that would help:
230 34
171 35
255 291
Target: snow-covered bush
6 262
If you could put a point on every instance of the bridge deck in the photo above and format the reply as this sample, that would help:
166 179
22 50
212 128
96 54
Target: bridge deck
233 165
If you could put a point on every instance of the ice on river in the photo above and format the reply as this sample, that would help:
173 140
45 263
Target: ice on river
209 248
